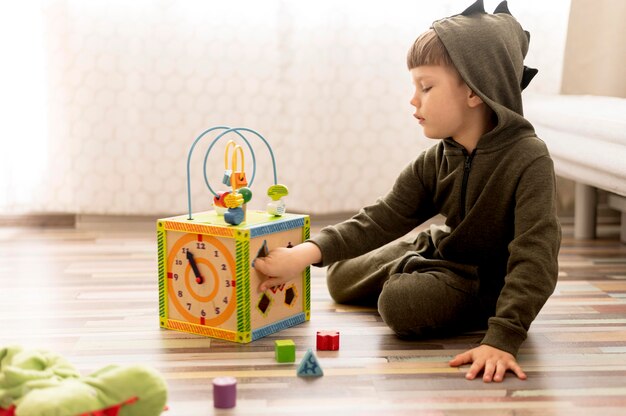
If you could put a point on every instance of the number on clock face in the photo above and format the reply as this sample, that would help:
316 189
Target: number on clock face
201 279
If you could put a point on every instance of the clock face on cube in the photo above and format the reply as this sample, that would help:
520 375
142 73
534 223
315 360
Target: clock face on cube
201 279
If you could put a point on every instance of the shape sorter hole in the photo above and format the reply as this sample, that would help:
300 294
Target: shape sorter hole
264 303
290 296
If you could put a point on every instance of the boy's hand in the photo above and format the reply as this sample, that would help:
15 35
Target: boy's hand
493 361
284 264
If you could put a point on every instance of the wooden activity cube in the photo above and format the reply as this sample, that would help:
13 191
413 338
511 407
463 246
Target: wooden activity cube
207 285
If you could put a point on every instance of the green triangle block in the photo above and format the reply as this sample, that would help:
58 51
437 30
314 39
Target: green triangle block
309 366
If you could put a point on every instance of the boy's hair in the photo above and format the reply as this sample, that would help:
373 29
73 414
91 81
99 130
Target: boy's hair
428 50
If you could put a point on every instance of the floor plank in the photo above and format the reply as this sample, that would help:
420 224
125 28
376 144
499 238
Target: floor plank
92 296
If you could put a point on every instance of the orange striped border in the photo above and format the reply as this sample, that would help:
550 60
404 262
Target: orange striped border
201 330
199 228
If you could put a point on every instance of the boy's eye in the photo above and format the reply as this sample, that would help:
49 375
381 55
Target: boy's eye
426 89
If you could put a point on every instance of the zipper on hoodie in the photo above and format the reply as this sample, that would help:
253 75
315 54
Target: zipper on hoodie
466 171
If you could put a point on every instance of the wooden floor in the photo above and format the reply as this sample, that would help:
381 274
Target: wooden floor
91 295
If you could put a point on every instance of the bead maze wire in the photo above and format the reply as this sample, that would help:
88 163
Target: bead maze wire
227 130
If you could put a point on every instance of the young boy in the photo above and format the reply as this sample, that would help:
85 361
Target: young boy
493 264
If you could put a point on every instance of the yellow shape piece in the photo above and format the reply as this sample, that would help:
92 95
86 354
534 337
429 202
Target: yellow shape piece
233 200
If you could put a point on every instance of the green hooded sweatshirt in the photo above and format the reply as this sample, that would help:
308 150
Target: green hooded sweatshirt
499 202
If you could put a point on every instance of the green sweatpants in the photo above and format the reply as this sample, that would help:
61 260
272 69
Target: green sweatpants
415 297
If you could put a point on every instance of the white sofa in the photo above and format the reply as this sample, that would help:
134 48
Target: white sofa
586 136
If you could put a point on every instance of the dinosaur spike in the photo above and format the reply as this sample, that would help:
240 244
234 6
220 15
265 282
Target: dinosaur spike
503 7
527 76
527 35
477 7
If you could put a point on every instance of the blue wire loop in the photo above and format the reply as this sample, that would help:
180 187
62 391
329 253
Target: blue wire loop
226 131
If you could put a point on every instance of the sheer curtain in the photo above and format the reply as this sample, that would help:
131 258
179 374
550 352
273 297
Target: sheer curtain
23 111
106 97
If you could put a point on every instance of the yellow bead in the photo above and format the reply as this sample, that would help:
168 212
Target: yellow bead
233 200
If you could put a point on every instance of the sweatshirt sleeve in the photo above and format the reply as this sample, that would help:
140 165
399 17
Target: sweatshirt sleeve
532 268
406 206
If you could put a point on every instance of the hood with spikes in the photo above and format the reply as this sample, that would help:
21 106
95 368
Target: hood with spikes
488 50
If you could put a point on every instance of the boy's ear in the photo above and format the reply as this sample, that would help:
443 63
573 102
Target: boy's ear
473 100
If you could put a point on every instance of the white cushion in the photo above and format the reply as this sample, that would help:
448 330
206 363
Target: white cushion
586 136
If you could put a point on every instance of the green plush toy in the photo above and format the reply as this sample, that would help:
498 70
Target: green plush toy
40 383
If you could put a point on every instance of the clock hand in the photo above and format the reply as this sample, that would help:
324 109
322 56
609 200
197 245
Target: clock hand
194 266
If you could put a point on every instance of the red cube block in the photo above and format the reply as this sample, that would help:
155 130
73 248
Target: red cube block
327 340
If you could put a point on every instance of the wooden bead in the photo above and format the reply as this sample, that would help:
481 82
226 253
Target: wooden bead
238 180
276 208
234 216
246 193
218 199
277 191
226 178
233 200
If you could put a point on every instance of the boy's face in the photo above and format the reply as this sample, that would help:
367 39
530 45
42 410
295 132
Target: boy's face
440 101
